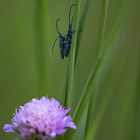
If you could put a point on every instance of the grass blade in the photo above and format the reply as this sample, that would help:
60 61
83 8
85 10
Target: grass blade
108 44
97 69
39 20
71 61
100 38
82 20
80 134
92 130
102 24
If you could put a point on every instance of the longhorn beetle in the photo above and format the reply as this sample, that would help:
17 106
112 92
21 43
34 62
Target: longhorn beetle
61 43
68 38
65 41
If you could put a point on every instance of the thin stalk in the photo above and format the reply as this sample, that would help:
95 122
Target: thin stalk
39 15
65 92
71 61
102 24
69 88
82 20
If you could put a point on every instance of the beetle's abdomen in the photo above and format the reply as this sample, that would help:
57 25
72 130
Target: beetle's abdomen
62 46
68 43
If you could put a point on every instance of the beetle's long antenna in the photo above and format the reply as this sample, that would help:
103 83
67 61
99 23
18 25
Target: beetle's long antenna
54 45
57 25
70 23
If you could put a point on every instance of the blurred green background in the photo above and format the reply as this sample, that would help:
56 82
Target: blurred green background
21 72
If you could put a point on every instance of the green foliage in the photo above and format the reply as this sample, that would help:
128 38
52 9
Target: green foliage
100 79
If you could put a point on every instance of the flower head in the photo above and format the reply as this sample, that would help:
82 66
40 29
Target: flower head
40 117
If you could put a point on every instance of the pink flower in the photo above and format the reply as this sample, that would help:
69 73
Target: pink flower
40 117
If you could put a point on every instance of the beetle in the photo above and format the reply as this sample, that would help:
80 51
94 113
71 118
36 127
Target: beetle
65 40
61 41
68 37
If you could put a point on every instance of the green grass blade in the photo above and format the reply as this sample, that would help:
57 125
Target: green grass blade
102 24
65 91
100 38
71 61
108 44
69 87
97 70
82 20
91 131
136 123
39 20
100 35
80 133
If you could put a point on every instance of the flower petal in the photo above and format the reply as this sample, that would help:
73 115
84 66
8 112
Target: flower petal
8 128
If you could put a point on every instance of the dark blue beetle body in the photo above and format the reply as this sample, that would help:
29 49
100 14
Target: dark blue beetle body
65 41
62 46
61 41
69 35
68 42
